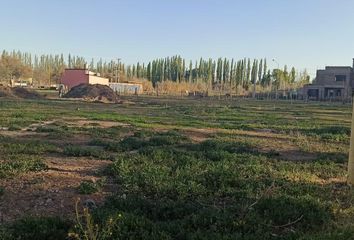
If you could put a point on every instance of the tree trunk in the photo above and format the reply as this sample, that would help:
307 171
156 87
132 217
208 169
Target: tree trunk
254 89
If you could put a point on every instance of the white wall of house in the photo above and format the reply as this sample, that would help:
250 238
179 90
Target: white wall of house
98 80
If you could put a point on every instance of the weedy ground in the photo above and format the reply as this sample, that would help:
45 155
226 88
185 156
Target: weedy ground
169 168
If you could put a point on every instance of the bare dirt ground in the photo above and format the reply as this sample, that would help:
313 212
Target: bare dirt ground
199 135
52 192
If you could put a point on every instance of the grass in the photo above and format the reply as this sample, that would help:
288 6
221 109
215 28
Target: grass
17 164
89 187
86 151
235 182
42 228
214 183
19 157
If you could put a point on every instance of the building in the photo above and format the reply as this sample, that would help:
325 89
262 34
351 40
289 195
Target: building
74 77
22 82
331 83
127 88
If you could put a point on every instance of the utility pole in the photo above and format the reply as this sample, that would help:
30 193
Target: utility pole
117 70
278 78
50 73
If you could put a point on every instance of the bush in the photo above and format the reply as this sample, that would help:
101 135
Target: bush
142 140
42 228
52 129
98 142
21 163
89 187
231 147
283 210
167 138
28 147
131 143
14 128
330 133
83 151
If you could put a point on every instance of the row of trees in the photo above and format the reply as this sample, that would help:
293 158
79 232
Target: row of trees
226 74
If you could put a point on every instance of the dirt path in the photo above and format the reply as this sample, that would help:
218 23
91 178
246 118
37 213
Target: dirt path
52 192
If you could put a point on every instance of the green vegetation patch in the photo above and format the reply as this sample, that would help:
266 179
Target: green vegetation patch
22 156
234 185
89 187
39 228
21 163
86 151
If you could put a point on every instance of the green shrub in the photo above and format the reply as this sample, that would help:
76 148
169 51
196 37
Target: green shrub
131 143
137 227
140 141
84 151
231 147
52 129
167 138
14 128
20 163
283 210
330 133
42 228
333 157
26 147
98 142
89 187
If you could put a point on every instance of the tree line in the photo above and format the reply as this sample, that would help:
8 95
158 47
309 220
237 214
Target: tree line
234 75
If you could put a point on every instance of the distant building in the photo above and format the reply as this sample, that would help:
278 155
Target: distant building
331 83
22 82
74 77
127 88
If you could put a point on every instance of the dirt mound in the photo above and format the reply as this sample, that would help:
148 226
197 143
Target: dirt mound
18 92
25 93
95 92
6 92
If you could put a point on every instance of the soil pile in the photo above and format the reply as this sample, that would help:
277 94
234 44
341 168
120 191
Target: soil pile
25 93
18 92
94 93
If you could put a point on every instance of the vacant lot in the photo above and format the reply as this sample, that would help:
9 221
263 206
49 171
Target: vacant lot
174 169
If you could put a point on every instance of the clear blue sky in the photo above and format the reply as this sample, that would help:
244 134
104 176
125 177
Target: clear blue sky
302 33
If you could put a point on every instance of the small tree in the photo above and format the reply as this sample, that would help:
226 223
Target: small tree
12 68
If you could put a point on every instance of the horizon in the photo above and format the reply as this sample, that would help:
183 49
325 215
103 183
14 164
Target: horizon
305 37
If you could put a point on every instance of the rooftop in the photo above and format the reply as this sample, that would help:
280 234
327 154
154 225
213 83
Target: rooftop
338 67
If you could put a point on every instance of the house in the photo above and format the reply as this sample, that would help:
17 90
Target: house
331 83
22 82
74 77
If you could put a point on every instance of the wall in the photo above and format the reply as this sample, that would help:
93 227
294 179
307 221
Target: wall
126 88
327 77
98 80
74 77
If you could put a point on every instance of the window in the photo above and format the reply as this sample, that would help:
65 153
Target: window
341 78
338 93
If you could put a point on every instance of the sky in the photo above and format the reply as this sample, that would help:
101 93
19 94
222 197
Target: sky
301 33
